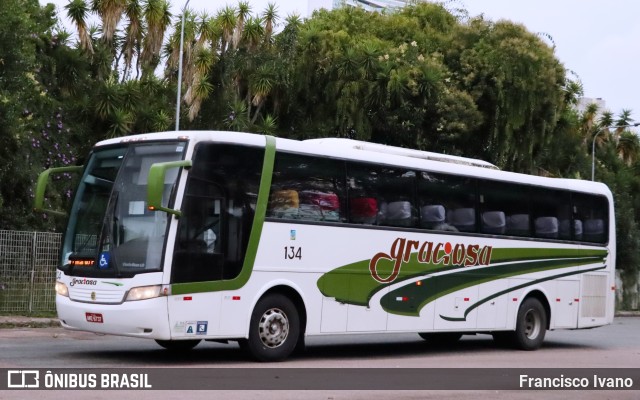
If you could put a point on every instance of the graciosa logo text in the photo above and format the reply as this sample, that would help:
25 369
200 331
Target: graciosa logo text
429 253
83 281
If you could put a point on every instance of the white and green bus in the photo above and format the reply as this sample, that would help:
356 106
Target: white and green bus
189 236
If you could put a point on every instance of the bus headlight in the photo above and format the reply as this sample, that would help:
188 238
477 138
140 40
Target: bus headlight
62 289
143 293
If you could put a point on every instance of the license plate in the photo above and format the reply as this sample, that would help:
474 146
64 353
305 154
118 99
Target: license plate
94 317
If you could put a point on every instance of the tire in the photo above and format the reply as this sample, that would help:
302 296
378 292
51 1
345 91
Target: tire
531 325
441 338
274 329
178 345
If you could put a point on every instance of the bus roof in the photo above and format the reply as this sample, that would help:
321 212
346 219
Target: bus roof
399 151
372 152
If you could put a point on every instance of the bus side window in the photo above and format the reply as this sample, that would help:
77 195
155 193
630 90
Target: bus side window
505 208
550 207
590 218
446 202
307 188
381 195
217 212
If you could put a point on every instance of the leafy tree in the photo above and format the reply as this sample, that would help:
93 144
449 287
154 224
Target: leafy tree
32 134
426 76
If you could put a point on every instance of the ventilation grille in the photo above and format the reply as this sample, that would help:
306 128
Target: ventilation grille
594 296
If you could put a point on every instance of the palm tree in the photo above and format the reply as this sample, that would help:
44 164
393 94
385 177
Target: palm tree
293 22
628 147
588 117
198 91
157 18
260 86
237 118
208 31
119 123
133 35
199 88
253 33
244 10
606 119
268 125
624 118
227 22
131 95
108 98
110 11
270 16
78 11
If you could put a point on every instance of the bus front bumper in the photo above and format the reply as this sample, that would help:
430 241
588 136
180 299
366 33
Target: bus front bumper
144 318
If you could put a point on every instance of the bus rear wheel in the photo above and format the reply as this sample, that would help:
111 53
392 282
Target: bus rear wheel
531 325
274 329
178 345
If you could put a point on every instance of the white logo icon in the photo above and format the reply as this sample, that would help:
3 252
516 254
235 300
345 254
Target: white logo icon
23 379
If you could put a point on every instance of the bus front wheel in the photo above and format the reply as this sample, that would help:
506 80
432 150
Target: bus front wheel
274 329
531 325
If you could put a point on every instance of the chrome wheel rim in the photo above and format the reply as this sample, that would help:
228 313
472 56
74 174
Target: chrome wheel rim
273 328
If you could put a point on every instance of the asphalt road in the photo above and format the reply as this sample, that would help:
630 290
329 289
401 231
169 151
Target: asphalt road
613 346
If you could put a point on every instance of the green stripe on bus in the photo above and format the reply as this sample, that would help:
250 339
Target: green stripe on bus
517 287
415 296
254 237
362 287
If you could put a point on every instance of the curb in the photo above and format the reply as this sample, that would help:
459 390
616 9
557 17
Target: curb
22 322
622 314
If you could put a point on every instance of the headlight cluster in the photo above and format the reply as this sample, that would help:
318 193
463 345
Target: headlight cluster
62 289
143 293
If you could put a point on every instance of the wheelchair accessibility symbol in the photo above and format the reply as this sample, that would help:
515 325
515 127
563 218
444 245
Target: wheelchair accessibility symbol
103 262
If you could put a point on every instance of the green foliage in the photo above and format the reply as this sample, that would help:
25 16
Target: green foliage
422 77
28 116
517 83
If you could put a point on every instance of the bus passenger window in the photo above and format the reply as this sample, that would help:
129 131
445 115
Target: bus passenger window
549 206
447 203
381 195
547 227
590 218
307 188
364 210
518 225
505 208
494 222
284 203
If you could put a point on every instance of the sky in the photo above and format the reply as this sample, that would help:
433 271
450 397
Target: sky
598 40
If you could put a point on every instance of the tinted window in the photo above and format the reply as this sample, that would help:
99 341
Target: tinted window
381 195
550 209
590 218
447 202
504 208
218 210
307 188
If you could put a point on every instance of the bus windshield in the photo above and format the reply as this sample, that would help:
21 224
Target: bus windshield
111 233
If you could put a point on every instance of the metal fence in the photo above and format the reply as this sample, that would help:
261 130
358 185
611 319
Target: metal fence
28 271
